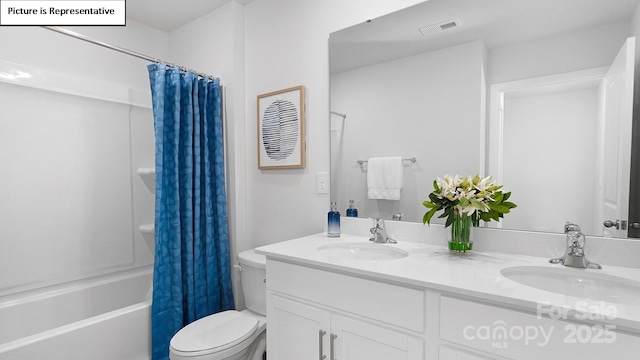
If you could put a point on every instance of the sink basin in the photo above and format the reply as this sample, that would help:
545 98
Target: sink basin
577 283
362 251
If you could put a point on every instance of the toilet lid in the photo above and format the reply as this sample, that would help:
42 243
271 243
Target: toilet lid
215 332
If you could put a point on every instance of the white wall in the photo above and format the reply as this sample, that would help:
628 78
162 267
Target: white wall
581 50
428 106
242 46
555 131
286 44
69 162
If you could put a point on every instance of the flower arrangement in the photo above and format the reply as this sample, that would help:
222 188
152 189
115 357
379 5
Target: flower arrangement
476 197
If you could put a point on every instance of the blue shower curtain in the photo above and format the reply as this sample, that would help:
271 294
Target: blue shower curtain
191 277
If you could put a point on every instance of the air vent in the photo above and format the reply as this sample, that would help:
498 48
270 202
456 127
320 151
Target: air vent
436 28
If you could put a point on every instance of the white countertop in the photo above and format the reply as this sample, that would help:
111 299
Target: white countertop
474 274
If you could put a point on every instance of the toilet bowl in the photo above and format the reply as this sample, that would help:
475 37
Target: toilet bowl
230 335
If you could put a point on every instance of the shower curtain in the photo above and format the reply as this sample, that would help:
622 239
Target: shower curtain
192 276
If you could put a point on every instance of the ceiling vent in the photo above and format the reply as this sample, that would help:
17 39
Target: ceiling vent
436 28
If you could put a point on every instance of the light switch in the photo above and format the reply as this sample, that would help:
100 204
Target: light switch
322 182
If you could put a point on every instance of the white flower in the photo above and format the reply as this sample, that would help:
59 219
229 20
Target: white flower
471 196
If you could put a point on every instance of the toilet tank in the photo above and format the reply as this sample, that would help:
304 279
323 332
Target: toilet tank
253 281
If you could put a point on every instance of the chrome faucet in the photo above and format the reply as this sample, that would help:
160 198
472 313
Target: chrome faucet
574 256
379 232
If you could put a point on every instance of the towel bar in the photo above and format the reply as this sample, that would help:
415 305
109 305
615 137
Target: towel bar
413 160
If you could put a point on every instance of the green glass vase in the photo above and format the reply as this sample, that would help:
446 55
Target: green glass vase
461 233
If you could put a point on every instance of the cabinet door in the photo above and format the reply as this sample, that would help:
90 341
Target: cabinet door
295 331
357 340
513 334
447 353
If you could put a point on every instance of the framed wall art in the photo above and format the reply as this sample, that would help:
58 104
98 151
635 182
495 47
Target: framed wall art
281 141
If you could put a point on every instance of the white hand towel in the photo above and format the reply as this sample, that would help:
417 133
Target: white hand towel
384 178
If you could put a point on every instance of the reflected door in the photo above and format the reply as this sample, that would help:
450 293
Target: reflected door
617 140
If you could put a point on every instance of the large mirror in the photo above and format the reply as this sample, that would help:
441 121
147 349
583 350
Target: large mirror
515 89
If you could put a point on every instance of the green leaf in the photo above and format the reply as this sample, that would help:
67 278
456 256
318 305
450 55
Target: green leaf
477 204
449 220
498 198
448 212
490 215
507 195
427 217
429 204
499 208
509 204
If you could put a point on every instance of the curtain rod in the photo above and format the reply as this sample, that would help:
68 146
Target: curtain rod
119 49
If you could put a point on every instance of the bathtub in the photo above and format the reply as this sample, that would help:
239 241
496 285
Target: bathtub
108 318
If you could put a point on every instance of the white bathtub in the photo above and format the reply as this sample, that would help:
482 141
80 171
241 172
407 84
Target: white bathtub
103 319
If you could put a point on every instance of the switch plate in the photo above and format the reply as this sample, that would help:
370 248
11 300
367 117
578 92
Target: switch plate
322 182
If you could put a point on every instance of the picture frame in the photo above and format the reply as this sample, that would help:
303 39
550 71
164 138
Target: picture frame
281 129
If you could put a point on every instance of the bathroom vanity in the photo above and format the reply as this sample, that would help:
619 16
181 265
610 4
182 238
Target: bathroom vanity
347 298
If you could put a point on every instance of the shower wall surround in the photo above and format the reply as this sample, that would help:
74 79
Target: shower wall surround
75 124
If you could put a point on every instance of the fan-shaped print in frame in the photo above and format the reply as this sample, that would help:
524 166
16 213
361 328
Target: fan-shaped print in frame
281 143
280 130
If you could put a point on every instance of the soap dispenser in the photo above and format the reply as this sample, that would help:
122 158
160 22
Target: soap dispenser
333 228
352 211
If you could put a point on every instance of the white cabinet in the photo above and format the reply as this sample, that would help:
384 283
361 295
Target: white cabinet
295 330
355 340
301 331
308 318
449 353
518 335
329 315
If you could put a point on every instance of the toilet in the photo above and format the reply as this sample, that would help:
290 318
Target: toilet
230 335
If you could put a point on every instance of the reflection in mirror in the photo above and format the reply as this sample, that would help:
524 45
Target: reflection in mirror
554 126
429 97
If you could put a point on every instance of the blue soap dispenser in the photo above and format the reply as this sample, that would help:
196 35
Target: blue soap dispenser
352 211
333 229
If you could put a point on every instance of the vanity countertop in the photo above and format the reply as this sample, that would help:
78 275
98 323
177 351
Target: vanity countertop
474 274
